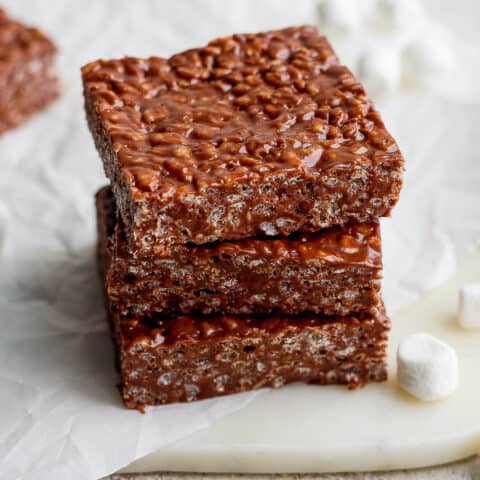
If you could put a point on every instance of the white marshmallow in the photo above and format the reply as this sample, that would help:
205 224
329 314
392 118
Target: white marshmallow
469 306
380 69
427 60
427 368
338 16
396 15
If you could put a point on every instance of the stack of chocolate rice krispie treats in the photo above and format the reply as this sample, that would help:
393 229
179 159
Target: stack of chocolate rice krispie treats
239 240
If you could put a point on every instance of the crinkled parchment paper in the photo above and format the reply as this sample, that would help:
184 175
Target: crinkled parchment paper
60 414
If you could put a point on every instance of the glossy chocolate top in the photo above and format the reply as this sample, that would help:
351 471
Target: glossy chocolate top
241 108
19 41
355 244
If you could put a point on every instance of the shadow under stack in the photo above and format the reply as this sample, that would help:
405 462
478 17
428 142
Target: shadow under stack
239 240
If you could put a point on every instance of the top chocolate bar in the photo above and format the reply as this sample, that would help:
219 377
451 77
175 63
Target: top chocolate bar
255 134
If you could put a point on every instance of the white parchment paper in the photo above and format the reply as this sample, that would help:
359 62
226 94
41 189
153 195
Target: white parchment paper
60 414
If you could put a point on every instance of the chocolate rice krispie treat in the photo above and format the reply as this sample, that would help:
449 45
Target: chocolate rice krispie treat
28 81
255 134
336 271
185 358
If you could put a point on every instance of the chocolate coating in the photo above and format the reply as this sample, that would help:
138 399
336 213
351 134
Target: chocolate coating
253 134
336 271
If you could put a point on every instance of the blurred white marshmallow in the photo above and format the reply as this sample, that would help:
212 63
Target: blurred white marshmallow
469 306
396 15
427 368
426 60
380 69
339 16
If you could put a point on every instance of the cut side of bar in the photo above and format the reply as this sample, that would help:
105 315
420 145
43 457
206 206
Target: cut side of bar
28 80
256 134
335 272
185 358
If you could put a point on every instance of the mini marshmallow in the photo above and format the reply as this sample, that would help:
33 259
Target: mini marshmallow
469 306
338 16
427 368
426 60
397 15
380 69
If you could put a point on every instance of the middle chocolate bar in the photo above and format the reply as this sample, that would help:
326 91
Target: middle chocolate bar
335 272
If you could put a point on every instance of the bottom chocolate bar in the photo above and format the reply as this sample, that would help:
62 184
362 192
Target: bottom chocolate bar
188 358
185 358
